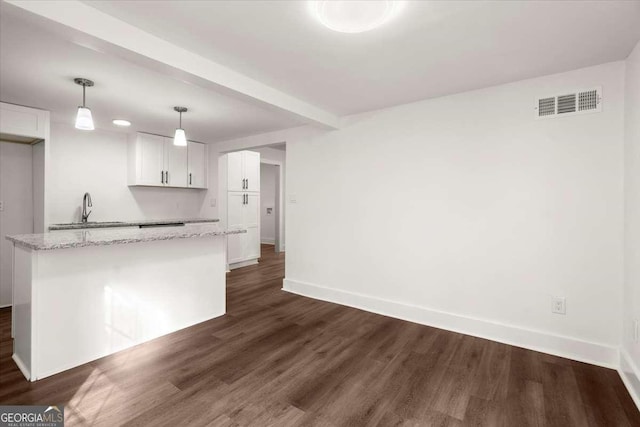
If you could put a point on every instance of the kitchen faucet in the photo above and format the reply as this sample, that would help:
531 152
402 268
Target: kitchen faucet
86 201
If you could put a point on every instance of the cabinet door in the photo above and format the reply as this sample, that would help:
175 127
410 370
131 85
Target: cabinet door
235 221
197 165
175 163
150 151
252 224
235 174
251 161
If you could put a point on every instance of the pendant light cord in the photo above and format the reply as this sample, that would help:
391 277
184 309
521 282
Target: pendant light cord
84 88
180 119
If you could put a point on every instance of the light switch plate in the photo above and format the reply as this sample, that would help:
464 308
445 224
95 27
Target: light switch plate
212 203
1 206
559 305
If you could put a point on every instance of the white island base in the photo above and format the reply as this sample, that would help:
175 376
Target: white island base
75 305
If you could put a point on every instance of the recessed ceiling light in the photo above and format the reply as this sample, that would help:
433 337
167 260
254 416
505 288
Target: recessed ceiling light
121 122
355 16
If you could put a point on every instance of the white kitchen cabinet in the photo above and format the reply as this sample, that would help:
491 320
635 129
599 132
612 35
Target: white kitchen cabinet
240 181
235 171
235 221
175 164
251 164
149 158
197 165
252 224
16 120
155 161
243 213
243 171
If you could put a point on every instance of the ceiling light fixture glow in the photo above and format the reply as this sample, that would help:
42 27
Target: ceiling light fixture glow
355 16
180 138
84 119
121 122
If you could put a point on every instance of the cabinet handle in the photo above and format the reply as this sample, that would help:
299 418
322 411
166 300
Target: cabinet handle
247 183
189 179
166 177
246 200
162 177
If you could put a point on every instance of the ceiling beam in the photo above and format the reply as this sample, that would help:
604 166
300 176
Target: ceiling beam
110 34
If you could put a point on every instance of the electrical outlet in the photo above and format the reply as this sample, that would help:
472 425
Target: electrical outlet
1 206
636 330
559 305
293 198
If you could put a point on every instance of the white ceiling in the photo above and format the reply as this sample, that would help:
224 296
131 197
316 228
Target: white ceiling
433 48
37 69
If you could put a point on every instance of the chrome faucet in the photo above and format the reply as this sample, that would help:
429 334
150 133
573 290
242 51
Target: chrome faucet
86 201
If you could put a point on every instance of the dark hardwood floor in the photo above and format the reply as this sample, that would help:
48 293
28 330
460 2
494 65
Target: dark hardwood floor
283 360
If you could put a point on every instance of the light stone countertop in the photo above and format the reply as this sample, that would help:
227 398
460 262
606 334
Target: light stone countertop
113 224
103 237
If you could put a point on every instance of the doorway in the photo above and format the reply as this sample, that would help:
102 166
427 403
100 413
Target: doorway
270 205
21 190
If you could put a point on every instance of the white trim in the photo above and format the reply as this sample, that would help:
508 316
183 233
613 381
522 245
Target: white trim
5 306
242 264
22 367
630 375
267 241
558 345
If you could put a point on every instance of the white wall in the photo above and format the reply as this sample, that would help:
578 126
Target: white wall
16 193
268 200
631 348
96 162
467 213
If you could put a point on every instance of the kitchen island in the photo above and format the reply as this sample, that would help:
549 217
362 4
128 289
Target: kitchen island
83 294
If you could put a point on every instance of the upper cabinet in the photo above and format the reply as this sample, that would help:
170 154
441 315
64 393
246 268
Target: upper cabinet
197 165
155 161
16 120
243 171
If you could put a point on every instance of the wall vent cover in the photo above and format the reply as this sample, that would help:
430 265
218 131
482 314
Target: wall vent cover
547 106
569 104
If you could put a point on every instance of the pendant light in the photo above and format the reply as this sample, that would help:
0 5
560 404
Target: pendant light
180 138
84 120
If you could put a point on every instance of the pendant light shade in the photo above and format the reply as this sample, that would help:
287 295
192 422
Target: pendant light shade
180 138
84 119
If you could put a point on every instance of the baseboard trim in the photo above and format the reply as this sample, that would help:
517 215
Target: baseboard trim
630 375
243 264
21 366
557 345
268 241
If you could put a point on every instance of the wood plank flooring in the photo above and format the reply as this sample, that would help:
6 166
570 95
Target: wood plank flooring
283 360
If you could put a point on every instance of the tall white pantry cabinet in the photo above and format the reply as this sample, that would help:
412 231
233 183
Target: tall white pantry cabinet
240 183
